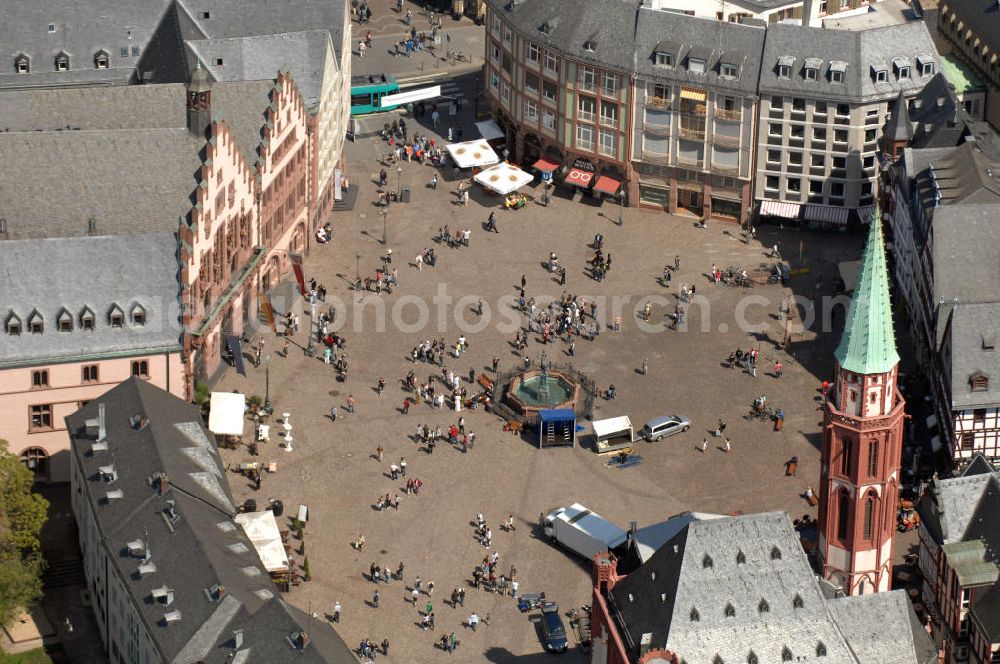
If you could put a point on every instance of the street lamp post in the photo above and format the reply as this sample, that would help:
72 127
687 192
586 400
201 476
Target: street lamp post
357 270
267 384
621 209
399 182
313 328
385 235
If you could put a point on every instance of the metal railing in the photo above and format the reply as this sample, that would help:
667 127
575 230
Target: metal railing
688 132
658 102
727 114
726 141
656 158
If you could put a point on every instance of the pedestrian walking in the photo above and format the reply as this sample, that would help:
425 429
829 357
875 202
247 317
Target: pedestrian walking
379 451
376 596
406 406
350 403
524 281
704 444
414 595
333 413
778 369
496 363
473 621
728 446
336 612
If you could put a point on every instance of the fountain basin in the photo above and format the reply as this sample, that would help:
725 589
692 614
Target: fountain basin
530 392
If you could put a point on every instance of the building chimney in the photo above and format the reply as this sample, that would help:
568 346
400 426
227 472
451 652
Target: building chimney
102 432
807 10
163 484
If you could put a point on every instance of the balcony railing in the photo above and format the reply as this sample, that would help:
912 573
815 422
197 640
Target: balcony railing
726 141
694 109
586 116
657 102
585 85
690 161
725 170
656 129
656 158
688 132
728 114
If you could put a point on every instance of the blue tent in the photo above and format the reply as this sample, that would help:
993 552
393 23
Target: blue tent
556 427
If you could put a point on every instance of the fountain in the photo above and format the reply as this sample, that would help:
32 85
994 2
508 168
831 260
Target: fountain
544 388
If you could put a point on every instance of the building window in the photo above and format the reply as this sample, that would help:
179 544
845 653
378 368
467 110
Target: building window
549 91
784 71
39 378
36 460
696 65
966 597
13 325
496 23
836 76
810 73
839 135
65 321
548 119
609 113
36 324
533 52
140 368
551 64
979 416
794 185
22 65
62 61
607 142
837 189
873 457
494 52
90 373
138 315
584 137
664 59
772 183
588 78
101 60
774 156
846 451
507 36
980 382
816 187
927 69
774 129
818 160
586 108
903 74
494 80
609 84
505 93
869 516
531 83
41 417
87 319
116 317
881 76
843 515
531 111
727 71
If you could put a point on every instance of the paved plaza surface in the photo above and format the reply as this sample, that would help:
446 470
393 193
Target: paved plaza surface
333 469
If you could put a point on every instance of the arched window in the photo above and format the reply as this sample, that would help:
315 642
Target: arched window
730 611
706 562
138 314
116 317
101 59
87 318
786 654
65 321
845 456
62 61
695 616
843 514
763 607
36 460
752 658
869 515
797 602
22 64
872 458
36 324
775 553
741 558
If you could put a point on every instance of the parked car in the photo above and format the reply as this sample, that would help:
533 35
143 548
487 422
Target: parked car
660 427
553 630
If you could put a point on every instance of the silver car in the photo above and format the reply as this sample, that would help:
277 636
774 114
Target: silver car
660 427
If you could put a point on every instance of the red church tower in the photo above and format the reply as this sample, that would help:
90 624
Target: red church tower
862 437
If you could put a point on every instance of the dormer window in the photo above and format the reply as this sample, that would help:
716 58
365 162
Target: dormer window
810 70
925 63
730 611
138 315
880 73
786 655
589 45
837 69
741 558
87 319
696 65
695 616
785 63
663 59
102 60
979 381
902 67
116 317
13 325
763 607
36 324
65 321
706 562
22 64
775 553
797 602
548 26
62 61
728 71
820 649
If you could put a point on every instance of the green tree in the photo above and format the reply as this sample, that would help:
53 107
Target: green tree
22 515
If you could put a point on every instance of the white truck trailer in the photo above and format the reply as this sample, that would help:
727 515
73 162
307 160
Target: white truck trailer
583 532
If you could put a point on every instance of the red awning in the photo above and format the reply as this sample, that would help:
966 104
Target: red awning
607 185
579 178
545 166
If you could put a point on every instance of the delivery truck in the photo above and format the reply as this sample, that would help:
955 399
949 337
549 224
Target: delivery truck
583 532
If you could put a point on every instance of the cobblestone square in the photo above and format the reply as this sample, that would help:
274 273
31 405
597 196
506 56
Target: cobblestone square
333 468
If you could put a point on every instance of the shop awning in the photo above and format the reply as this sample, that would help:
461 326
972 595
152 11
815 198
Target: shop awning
503 178
262 530
693 94
607 185
545 166
865 213
779 209
225 415
472 154
827 214
489 130
579 177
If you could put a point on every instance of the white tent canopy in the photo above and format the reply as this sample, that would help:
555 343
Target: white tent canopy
225 416
262 529
612 425
489 129
503 178
472 154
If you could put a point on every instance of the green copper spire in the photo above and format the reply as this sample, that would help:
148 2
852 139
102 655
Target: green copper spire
869 345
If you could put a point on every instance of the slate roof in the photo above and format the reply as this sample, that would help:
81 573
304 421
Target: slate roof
122 107
728 587
965 246
242 105
92 272
971 325
947 508
858 49
733 43
184 527
234 18
53 182
611 27
260 57
80 32
983 16
868 343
